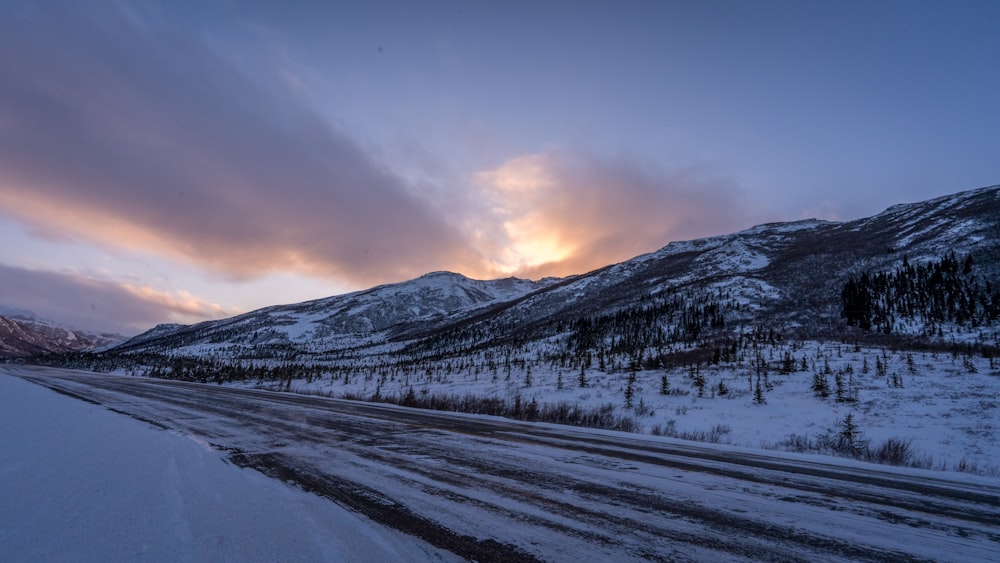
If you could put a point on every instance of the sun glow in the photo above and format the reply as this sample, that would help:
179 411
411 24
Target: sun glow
528 248
521 192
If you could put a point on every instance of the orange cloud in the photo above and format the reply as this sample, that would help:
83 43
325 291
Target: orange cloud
560 213
99 304
196 160
520 193
181 306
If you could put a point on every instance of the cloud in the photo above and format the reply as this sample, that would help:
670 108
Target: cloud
131 132
120 128
98 304
565 212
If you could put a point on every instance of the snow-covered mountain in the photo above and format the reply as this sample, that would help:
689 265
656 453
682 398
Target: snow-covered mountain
368 317
788 277
23 335
686 297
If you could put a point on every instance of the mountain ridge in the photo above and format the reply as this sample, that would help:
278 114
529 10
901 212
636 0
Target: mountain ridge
788 275
432 296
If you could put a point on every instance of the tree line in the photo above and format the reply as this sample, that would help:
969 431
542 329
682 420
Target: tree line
946 291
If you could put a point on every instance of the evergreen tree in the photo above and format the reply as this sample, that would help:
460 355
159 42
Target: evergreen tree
758 394
699 381
630 390
820 386
722 389
787 363
849 439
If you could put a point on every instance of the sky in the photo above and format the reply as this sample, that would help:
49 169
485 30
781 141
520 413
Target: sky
183 161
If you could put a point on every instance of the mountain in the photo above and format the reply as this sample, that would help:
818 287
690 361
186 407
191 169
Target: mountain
24 335
938 259
364 318
787 276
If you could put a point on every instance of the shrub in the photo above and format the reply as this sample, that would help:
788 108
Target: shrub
605 416
893 451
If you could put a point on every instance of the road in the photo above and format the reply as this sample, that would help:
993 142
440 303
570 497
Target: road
490 489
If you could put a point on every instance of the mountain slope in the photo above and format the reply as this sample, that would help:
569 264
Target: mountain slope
787 278
24 336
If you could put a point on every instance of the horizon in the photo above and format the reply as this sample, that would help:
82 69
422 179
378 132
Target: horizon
181 162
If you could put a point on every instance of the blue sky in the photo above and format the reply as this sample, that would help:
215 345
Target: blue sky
178 161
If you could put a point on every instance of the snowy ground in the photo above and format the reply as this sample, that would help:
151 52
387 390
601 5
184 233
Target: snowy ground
946 407
81 483
488 488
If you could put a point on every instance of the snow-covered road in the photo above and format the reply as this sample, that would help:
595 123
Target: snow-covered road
491 489
81 483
